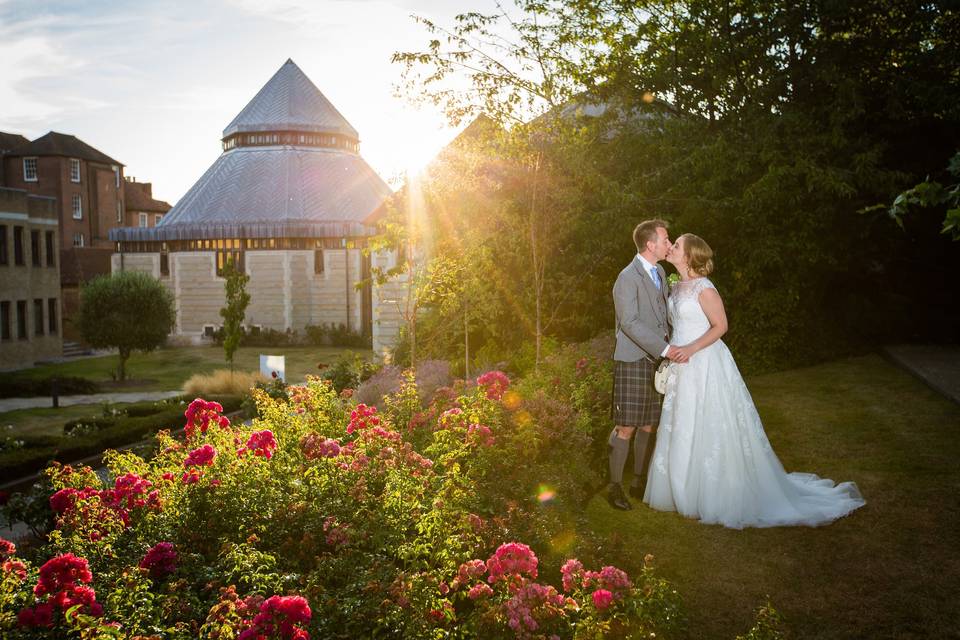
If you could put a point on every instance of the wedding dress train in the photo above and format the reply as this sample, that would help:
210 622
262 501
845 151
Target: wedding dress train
712 459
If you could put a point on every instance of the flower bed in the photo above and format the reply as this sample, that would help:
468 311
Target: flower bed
322 519
91 436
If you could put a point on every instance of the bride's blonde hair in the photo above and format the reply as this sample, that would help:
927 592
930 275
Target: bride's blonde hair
699 254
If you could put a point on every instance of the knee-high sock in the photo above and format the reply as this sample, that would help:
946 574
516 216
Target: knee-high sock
619 450
641 442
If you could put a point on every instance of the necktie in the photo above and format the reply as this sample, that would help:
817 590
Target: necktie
656 277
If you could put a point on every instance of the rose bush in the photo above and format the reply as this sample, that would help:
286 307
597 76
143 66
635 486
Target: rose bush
322 519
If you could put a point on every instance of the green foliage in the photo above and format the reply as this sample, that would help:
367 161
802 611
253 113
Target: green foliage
13 385
127 310
101 433
762 129
768 626
373 533
335 334
929 194
349 370
234 309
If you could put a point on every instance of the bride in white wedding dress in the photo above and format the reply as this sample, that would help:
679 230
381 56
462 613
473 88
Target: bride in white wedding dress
712 459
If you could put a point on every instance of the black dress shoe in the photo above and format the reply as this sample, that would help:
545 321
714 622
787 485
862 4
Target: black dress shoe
617 499
637 492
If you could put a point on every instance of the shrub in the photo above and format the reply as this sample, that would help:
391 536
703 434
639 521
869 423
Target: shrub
115 431
430 376
344 530
337 335
13 385
349 370
222 382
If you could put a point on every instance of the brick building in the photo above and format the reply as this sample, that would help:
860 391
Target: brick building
142 210
88 188
30 318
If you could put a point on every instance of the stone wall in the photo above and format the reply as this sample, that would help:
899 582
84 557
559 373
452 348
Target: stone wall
286 290
22 284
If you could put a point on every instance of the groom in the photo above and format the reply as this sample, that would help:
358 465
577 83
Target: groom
640 300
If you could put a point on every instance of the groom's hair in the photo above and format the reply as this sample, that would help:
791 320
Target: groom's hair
646 232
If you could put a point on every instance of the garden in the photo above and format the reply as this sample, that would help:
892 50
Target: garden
452 508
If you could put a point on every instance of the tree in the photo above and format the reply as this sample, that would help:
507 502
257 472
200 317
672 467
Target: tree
129 310
763 126
234 309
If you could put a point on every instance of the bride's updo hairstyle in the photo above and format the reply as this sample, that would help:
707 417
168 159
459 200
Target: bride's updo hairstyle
699 254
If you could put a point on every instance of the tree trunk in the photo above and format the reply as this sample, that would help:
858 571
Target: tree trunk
536 259
466 342
122 365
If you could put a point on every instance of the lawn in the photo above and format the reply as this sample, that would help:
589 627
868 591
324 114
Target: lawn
167 369
891 569
44 421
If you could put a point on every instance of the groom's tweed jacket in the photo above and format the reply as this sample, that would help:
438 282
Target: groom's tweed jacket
642 322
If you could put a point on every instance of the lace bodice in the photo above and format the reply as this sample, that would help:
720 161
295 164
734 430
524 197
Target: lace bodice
686 315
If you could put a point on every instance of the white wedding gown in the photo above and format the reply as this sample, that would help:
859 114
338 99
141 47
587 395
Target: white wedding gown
712 459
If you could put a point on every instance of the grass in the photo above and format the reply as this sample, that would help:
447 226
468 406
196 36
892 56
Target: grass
44 421
891 569
167 369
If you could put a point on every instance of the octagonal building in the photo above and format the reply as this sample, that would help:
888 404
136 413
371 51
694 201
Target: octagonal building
293 203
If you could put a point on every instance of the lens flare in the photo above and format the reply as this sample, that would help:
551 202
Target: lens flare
511 400
546 494
523 418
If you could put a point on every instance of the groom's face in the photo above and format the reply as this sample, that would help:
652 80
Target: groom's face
661 246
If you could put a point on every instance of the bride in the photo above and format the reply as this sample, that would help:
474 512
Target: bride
712 459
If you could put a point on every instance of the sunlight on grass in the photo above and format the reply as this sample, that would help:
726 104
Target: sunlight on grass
859 419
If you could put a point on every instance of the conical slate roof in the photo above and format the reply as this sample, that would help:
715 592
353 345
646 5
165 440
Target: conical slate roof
289 183
290 102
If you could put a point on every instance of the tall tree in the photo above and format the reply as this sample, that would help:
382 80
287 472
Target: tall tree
129 310
763 126
234 309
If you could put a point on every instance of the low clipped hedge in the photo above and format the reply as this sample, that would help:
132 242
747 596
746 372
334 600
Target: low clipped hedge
13 385
111 432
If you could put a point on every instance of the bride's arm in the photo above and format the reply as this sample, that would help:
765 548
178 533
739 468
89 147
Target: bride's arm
712 306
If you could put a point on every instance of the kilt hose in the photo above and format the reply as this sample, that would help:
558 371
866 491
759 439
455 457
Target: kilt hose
635 402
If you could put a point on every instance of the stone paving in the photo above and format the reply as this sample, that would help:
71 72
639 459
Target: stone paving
13 404
936 365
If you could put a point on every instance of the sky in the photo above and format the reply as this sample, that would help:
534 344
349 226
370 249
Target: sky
153 84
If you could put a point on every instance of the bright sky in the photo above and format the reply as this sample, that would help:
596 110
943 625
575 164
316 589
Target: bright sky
153 83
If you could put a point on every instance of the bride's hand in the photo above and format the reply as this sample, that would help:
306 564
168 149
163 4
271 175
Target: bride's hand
682 354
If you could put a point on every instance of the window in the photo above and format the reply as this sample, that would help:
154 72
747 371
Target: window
38 316
318 261
30 169
4 252
223 256
78 239
74 170
5 320
209 330
52 315
51 256
116 174
18 245
157 218
77 207
143 220
35 248
119 212
164 264
22 319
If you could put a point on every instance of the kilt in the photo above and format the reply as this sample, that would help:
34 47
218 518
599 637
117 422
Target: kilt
635 402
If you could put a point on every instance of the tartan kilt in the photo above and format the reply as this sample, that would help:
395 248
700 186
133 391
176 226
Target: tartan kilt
635 402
